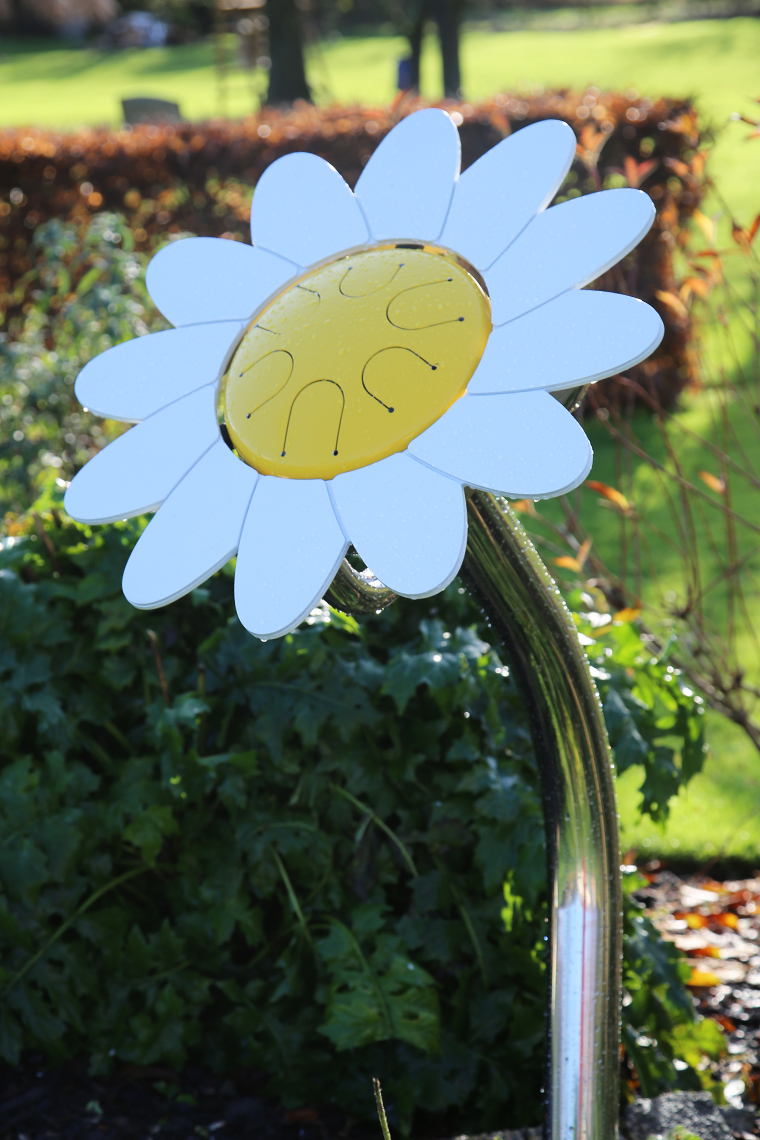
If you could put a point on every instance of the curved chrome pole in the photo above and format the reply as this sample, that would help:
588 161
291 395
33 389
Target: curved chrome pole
504 572
358 592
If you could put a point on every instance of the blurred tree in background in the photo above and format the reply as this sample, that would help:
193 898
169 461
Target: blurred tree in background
447 15
287 77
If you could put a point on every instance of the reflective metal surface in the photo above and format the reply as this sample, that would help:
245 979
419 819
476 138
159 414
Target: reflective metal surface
506 575
572 398
358 592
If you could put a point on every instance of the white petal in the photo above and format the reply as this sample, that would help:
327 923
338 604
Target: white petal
136 472
408 523
523 444
405 189
565 247
290 551
213 279
303 210
577 338
196 531
497 196
133 380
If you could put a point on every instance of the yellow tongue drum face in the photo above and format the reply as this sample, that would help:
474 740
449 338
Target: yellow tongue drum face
351 363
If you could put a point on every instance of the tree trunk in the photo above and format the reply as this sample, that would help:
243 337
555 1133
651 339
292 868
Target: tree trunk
415 51
287 78
447 14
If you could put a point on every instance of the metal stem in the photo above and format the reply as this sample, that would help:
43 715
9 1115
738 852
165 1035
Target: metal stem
506 575
358 592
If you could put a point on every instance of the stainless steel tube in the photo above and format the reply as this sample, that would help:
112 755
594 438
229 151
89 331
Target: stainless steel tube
506 575
503 571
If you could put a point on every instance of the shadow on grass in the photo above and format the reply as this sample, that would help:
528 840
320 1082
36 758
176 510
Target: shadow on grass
77 62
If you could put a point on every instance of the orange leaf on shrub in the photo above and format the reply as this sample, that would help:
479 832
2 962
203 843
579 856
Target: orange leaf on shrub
574 562
629 613
673 302
636 172
743 237
693 921
703 978
707 225
607 492
694 285
524 506
682 169
713 482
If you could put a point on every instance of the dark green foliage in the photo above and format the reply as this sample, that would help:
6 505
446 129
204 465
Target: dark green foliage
316 832
653 718
320 856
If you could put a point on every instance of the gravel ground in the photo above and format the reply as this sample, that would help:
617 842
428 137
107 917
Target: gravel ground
717 926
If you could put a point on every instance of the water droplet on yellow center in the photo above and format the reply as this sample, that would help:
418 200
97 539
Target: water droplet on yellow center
353 361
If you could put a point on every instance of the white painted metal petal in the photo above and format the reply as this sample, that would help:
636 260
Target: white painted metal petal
136 472
579 337
196 531
523 444
213 279
497 196
304 211
133 380
408 523
290 550
406 187
566 247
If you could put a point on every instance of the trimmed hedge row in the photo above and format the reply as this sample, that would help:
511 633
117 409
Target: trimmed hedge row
199 178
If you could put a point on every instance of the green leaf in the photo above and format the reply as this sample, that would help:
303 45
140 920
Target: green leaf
373 1000
147 831
11 1036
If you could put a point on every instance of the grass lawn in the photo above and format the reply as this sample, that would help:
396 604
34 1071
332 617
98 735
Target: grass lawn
715 62
718 815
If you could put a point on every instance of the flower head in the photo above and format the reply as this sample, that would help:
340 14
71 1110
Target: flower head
342 379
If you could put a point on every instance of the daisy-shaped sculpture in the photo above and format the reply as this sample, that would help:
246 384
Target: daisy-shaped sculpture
342 379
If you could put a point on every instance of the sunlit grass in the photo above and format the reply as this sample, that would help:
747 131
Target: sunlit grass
716 816
715 61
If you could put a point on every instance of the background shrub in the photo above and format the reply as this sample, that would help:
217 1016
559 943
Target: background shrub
199 177
89 294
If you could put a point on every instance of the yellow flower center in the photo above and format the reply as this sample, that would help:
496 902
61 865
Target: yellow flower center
354 360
